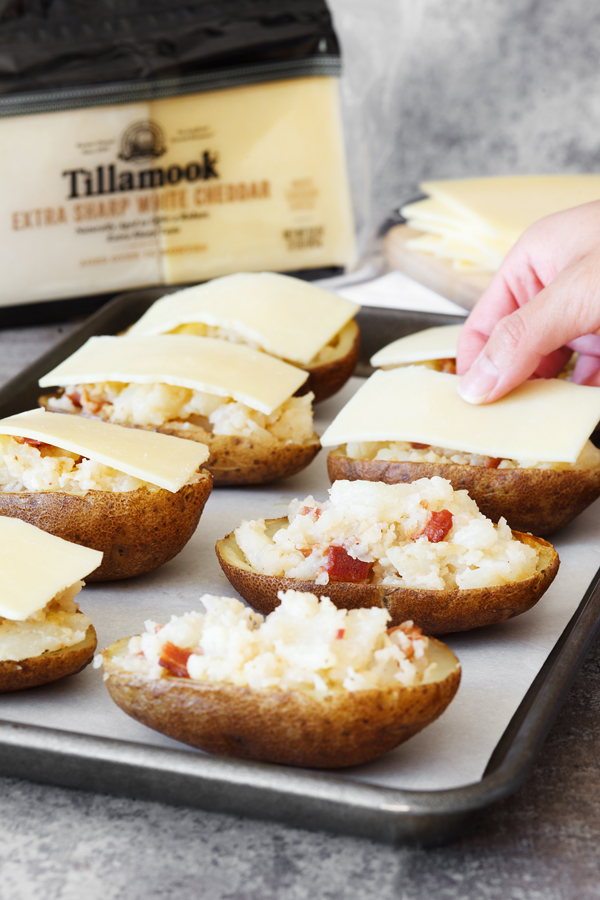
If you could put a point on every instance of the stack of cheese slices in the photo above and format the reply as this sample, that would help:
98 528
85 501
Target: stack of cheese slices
473 222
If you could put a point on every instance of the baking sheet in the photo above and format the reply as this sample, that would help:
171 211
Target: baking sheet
499 662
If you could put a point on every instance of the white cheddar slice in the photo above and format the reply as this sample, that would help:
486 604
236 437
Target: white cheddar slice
160 459
200 363
434 212
282 315
505 206
35 566
542 420
431 343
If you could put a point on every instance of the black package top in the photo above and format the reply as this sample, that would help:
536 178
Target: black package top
49 44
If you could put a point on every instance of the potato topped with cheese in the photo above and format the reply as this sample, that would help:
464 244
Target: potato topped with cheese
132 494
516 457
238 401
286 317
43 635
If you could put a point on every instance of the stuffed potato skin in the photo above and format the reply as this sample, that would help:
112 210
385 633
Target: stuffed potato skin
50 666
295 728
137 531
326 379
541 501
436 612
241 460
235 460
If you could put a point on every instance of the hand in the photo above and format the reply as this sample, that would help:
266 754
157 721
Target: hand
542 304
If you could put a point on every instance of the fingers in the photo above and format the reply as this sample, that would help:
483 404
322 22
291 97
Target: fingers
587 370
495 303
526 341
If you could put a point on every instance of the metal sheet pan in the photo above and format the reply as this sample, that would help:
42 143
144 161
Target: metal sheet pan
295 797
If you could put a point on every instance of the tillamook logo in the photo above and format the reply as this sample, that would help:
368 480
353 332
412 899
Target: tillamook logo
141 143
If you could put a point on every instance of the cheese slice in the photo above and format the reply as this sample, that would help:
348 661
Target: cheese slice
160 459
542 420
202 364
505 206
282 315
431 343
35 566
434 212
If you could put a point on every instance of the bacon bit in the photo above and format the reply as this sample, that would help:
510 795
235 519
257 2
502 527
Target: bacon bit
95 406
416 446
32 442
313 511
304 551
492 462
75 399
424 504
174 659
343 567
448 365
438 526
340 634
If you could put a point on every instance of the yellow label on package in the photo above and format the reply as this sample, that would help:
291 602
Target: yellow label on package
174 190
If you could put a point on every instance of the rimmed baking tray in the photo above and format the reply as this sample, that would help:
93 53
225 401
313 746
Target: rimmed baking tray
294 797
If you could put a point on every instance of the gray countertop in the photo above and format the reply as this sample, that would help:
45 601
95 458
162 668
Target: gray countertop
540 843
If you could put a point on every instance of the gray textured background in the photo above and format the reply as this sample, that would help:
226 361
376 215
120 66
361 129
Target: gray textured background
438 89
471 87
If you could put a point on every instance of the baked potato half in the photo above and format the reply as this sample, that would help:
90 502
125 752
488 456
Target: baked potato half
137 531
436 612
49 666
292 727
233 460
238 460
540 501
327 378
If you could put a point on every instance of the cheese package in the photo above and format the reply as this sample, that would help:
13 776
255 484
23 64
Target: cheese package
182 143
430 344
35 566
418 404
159 459
281 315
473 222
199 363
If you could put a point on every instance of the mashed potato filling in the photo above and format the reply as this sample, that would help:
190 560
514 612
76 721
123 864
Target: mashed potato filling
34 466
403 451
58 625
421 535
325 354
304 644
154 405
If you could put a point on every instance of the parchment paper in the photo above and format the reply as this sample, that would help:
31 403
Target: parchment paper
499 663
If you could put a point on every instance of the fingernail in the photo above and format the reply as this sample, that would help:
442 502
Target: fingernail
480 380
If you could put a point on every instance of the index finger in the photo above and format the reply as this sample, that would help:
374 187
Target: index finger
496 302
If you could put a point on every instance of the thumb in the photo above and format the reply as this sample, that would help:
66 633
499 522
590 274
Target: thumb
527 340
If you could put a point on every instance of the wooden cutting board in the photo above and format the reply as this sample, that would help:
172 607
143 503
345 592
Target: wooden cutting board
463 288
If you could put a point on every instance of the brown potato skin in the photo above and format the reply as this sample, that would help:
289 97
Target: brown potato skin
236 460
541 501
327 379
50 666
240 460
281 726
436 612
137 531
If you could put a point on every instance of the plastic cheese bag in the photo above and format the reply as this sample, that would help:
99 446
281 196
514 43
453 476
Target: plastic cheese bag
156 142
